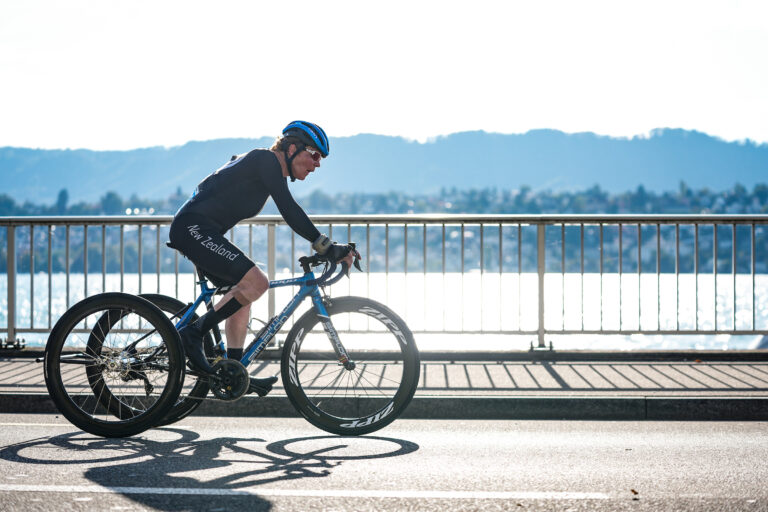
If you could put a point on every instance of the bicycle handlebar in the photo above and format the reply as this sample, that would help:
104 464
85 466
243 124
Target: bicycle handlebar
307 262
323 280
337 277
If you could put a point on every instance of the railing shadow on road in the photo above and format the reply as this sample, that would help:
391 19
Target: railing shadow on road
523 376
129 465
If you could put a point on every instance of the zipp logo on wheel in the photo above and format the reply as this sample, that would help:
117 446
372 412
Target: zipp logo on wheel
292 360
385 319
371 419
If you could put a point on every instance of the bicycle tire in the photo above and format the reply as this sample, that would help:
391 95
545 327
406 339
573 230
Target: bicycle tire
147 345
187 402
385 353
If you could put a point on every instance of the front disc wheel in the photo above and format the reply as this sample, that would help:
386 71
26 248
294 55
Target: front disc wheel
366 392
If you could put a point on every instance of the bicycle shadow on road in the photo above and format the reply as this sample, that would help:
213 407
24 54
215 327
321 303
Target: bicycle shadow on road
176 470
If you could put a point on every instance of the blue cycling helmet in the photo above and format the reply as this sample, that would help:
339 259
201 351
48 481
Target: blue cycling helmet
310 134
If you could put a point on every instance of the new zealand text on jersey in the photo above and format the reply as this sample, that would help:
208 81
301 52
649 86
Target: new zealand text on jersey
208 244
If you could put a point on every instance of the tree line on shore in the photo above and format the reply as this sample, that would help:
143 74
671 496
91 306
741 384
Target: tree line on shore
489 200
523 200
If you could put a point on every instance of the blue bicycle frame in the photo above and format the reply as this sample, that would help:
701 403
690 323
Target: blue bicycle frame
308 287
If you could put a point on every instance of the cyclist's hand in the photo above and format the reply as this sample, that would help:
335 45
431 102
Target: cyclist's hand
349 260
356 255
344 253
353 258
338 252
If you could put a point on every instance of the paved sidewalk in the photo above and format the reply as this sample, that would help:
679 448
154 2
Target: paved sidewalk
706 386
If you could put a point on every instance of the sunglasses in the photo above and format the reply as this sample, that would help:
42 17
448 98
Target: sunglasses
315 154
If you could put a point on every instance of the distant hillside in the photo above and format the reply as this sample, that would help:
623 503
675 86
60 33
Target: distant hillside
541 159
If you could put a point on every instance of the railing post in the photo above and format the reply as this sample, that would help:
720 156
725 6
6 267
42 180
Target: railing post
541 267
271 256
11 273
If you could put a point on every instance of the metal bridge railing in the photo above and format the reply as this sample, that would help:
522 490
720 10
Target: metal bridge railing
534 275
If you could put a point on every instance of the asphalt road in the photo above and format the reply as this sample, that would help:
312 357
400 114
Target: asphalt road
251 464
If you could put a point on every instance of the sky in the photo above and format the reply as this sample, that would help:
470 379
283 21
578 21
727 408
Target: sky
112 74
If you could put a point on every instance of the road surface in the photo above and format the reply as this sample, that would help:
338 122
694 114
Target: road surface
219 464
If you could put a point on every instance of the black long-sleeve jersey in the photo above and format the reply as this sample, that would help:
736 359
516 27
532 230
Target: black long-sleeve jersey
240 189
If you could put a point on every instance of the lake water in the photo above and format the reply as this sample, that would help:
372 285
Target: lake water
477 303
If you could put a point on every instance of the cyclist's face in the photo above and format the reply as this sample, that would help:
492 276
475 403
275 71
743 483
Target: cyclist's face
306 161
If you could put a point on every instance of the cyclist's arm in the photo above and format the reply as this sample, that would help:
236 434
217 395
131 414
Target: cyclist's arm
293 214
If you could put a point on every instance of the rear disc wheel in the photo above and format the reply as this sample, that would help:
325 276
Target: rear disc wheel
118 381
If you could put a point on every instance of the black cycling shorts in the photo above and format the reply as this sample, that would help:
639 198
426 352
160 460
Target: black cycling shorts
205 246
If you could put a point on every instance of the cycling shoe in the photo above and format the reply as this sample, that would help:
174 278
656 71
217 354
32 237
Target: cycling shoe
261 386
192 341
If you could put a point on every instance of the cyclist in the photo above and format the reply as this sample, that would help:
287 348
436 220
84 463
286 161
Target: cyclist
236 191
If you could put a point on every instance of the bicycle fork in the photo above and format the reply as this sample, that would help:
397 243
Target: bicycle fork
330 330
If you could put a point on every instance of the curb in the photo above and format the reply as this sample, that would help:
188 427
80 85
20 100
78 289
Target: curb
757 355
486 408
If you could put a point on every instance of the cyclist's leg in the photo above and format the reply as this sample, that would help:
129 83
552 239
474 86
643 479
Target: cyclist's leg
225 263
252 286
236 328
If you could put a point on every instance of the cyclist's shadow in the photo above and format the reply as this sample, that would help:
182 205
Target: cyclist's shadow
186 473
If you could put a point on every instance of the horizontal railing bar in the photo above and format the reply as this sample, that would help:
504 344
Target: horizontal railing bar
414 331
651 332
759 332
428 218
78 331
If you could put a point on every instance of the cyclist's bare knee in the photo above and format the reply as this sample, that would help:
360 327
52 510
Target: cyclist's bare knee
252 286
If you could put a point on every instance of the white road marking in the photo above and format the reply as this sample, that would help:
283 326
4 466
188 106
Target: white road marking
65 425
37 425
305 493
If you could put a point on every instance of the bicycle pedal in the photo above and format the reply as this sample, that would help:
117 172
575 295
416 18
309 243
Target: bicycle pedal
261 387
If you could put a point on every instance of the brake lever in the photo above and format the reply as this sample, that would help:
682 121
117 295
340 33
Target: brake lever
357 257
